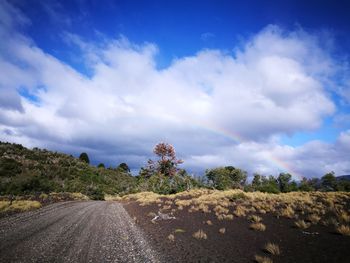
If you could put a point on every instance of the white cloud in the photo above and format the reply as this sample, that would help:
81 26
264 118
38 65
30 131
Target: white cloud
274 85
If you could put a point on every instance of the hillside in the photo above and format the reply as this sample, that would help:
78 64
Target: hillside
344 177
25 171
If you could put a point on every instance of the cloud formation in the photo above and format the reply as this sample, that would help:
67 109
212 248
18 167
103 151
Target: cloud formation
217 108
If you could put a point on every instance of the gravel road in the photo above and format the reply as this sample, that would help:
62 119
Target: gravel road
90 231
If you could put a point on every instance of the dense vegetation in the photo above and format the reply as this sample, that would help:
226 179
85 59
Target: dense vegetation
24 171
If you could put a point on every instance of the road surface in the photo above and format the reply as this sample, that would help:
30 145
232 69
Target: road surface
88 231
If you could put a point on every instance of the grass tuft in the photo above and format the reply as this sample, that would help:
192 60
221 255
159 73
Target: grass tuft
313 218
200 234
258 226
222 230
261 259
272 248
343 230
171 237
302 224
288 212
255 218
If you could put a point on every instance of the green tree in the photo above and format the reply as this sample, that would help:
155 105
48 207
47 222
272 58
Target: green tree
269 185
283 182
84 157
101 165
306 185
124 167
256 182
226 177
329 182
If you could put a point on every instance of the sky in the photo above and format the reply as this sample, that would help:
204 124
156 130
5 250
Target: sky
259 85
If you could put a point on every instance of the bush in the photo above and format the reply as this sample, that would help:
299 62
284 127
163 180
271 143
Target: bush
9 167
95 193
162 184
226 177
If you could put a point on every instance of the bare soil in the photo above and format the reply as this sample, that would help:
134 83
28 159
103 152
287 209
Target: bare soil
239 243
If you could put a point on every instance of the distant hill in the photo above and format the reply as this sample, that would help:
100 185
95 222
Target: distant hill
344 177
25 171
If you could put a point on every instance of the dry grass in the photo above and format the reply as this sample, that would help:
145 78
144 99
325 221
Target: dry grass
179 230
222 230
258 226
239 211
273 249
302 224
288 212
343 230
225 217
171 237
262 259
20 205
112 198
313 218
144 198
221 210
200 234
343 216
166 207
209 223
314 207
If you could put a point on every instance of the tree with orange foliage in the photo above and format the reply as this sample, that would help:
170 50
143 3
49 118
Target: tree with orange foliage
167 163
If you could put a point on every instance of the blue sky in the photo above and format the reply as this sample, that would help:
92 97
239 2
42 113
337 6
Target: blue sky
262 85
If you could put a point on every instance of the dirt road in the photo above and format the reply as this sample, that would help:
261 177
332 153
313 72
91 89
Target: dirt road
92 231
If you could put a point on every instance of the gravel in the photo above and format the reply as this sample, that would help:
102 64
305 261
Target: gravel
89 231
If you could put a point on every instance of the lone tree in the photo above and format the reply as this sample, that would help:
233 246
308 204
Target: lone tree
167 163
124 167
84 157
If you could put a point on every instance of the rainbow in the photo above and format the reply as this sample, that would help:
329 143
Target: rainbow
281 165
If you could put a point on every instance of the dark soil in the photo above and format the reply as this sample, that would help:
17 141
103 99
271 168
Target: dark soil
239 243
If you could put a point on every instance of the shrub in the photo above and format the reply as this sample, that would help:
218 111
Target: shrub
162 184
95 193
9 167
